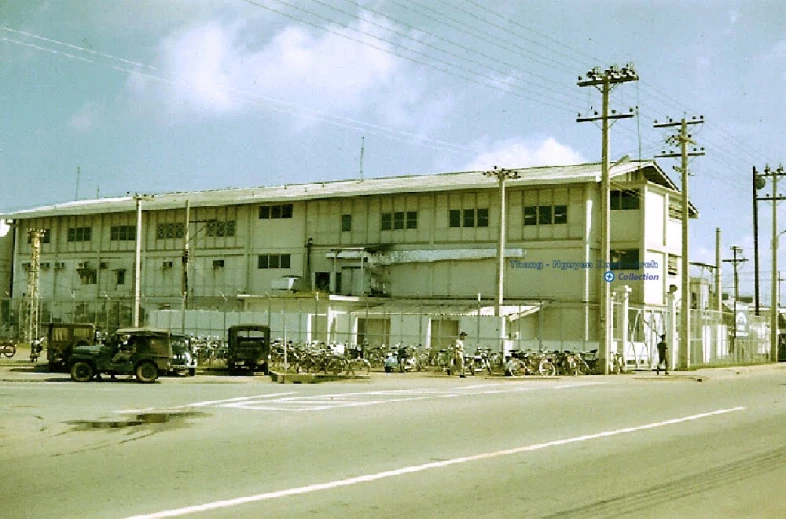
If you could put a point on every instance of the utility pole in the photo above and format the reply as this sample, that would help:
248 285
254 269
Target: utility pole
32 313
501 175
605 81
683 139
758 183
138 258
735 262
184 278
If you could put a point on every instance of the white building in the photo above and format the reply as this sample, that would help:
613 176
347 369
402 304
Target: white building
375 248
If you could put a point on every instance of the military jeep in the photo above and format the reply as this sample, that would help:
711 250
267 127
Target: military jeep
62 338
143 352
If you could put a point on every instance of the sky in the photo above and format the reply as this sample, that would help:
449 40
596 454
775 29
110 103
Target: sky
150 96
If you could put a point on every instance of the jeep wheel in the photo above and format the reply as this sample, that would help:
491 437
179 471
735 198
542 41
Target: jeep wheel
81 372
146 372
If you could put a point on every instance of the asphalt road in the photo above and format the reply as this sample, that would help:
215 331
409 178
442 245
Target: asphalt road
396 446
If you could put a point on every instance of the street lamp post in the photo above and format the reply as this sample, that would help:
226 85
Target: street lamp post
501 175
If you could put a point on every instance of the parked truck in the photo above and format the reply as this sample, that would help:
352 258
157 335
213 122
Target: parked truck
248 348
62 338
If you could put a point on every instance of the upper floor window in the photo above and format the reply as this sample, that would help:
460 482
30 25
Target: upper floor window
220 228
276 211
626 259
346 222
468 217
545 214
399 220
170 230
273 261
625 200
79 233
122 232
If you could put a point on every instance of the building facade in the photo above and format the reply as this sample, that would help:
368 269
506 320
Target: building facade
373 243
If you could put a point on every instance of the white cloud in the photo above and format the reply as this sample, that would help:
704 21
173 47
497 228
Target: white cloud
219 69
513 153
85 119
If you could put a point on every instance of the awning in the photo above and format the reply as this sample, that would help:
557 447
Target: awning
453 309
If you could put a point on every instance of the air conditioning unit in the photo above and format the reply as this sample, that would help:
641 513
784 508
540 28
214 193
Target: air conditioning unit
166 265
44 266
218 264
26 265
82 265
291 283
103 265
59 265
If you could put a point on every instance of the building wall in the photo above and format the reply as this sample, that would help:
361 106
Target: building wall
244 248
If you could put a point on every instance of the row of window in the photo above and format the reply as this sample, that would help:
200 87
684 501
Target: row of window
533 215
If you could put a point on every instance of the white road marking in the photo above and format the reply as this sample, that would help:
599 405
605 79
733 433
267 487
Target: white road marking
227 503
306 403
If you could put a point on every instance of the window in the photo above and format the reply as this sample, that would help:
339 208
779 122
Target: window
627 259
218 264
170 230
219 228
560 214
412 219
387 221
469 217
483 217
121 276
122 232
346 222
675 210
399 220
625 200
530 215
44 236
455 218
79 233
274 212
545 214
672 267
273 261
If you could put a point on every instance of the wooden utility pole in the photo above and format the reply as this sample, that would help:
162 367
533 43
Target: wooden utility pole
735 262
605 81
683 140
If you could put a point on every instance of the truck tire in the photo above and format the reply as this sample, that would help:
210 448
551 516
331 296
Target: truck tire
147 372
82 372
191 372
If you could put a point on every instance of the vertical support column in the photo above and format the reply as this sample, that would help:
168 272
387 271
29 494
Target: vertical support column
671 329
626 290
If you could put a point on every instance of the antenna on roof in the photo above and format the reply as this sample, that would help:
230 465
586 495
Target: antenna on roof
362 149
78 174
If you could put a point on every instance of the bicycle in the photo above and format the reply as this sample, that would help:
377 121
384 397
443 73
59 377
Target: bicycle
8 349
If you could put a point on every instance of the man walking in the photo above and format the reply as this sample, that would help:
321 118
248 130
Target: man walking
458 355
663 349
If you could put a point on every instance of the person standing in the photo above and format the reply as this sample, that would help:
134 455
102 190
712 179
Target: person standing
458 355
663 349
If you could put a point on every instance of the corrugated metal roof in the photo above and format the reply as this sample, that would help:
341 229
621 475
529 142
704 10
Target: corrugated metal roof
545 175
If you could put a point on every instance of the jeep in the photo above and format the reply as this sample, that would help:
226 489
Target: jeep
248 348
62 338
143 352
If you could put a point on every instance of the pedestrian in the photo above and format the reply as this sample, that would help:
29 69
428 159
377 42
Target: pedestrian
663 349
458 355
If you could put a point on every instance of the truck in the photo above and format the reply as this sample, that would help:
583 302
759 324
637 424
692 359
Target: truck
248 348
62 338
143 352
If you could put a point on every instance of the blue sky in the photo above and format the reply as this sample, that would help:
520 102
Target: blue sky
152 96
